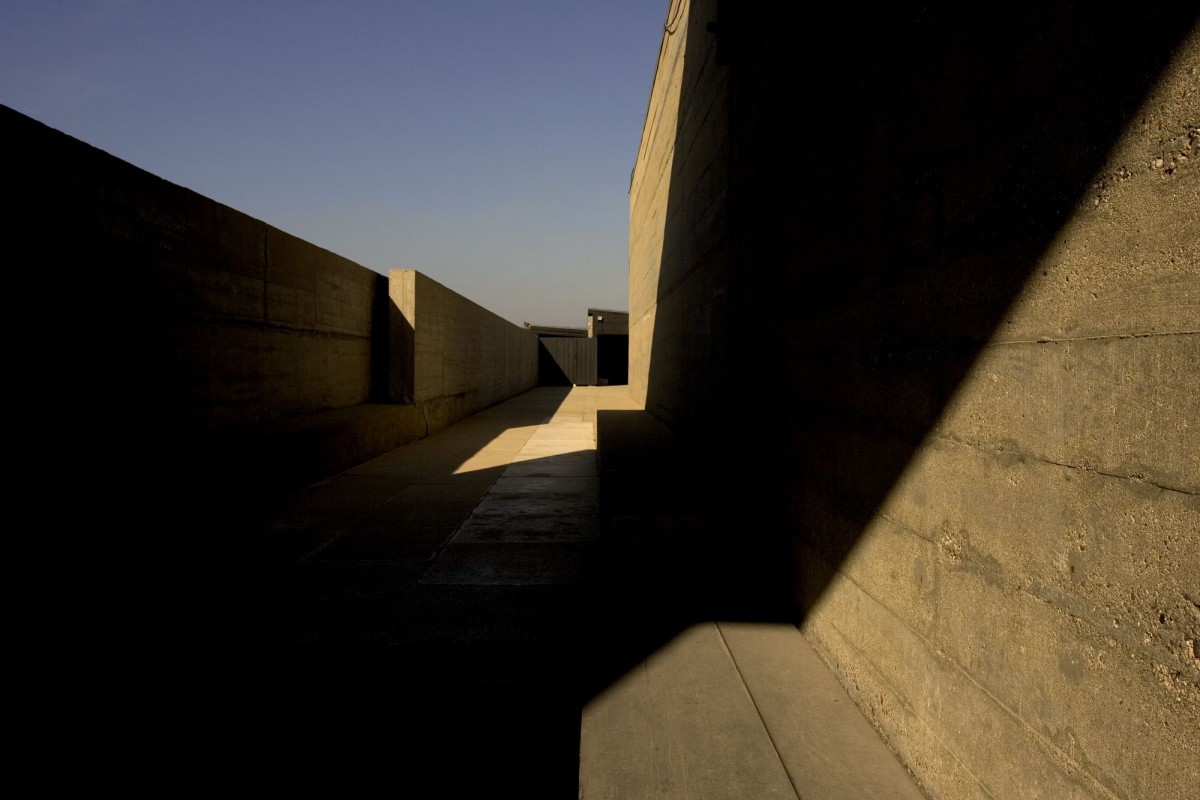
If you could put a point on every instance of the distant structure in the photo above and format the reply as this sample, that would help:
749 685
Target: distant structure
597 355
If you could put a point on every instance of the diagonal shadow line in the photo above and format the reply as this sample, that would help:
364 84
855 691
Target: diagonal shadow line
358 675
890 307
838 246
289 528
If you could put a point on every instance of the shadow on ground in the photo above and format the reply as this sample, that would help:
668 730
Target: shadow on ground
358 675
862 284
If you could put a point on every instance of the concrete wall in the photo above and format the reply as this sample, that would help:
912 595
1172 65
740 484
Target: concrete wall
678 228
465 358
1020 613
180 304
959 309
207 352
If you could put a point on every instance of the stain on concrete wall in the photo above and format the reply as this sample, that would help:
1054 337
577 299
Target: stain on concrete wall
958 285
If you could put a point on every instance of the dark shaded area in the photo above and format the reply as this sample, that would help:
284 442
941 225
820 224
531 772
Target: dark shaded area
890 177
566 361
858 194
162 322
354 678
391 335
600 360
389 686
387 726
398 366
612 359
549 371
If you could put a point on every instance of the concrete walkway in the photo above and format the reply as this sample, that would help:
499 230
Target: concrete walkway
442 622
734 709
418 622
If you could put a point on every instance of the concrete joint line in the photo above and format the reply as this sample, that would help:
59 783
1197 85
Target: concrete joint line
266 272
1098 627
342 530
1067 339
667 291
1045 742
987 448
886 517
1135 478
276 326
899 699
762 720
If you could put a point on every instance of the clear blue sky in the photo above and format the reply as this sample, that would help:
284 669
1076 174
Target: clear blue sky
487 143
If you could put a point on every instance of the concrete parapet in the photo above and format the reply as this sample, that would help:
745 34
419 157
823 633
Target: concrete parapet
464 358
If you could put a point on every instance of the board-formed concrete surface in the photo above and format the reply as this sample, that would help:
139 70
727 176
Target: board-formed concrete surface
456 356
179 322
975 430
190 310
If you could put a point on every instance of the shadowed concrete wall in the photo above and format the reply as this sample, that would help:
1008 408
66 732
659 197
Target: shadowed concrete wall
464 357
187 306
958 287
181 332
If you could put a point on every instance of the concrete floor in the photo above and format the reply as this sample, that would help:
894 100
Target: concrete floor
416 623
442 621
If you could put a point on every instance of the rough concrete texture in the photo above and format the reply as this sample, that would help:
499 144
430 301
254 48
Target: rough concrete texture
169 322
1040 548
198 311
966 289
677 261
464 357
190 324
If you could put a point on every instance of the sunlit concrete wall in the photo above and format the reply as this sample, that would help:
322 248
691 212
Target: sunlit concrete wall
678 225
1021 615
958 290
464 357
